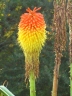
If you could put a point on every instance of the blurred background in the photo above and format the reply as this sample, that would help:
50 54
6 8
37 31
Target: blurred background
12 58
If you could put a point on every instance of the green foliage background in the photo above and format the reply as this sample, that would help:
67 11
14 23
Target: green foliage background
12 58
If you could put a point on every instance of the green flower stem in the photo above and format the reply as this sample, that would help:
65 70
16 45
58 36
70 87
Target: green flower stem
32 84
71 79
70 57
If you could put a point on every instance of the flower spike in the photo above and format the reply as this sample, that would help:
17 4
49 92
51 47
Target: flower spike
32 36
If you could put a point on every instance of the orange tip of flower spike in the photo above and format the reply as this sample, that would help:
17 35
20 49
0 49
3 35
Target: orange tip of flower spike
32 34
34 10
